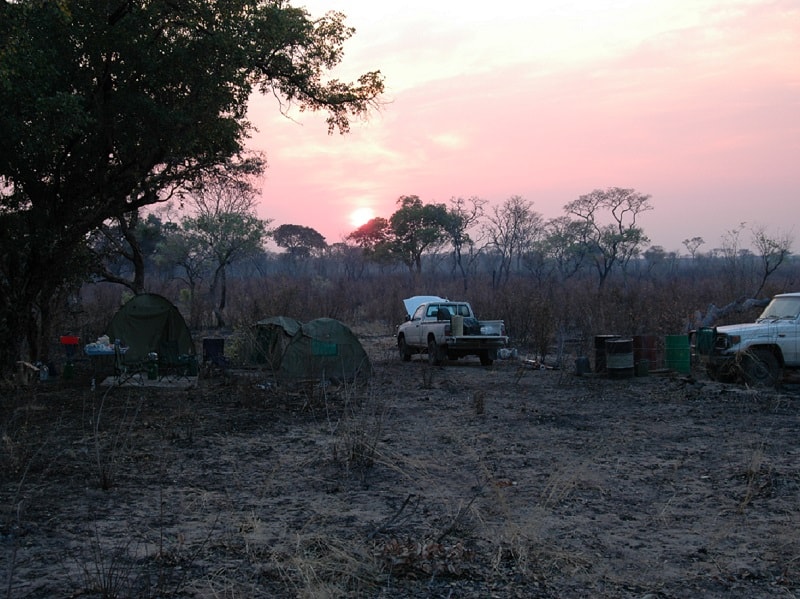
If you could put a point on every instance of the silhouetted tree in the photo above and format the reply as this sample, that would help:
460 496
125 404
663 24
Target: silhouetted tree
564 243
692 245
107 108
373 238
462 216
299 241
415 229
225 226
772 252
510 230
122 246
616 242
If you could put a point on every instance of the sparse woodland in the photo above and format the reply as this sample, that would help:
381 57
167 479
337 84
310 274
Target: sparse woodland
124 169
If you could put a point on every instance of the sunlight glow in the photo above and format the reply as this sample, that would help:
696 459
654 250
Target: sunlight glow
361 216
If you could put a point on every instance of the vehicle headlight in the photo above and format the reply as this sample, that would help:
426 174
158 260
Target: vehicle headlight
734 340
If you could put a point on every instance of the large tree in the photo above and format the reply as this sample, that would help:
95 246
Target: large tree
110 106
224 224
299 241
415 229
122 246
609 226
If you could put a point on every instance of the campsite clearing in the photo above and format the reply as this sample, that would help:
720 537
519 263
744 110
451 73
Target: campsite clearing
469 482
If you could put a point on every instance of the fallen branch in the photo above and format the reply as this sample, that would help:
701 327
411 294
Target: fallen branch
713 313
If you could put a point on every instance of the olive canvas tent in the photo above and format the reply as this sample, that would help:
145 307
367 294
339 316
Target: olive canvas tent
150 323
272 336
322 349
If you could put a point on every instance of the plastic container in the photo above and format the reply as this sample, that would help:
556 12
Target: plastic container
457 324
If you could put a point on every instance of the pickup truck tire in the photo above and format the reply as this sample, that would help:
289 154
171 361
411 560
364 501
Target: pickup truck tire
434 353
760 368
486 359
405 352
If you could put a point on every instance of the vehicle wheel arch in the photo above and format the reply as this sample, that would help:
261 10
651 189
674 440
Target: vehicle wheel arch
761 365
771 348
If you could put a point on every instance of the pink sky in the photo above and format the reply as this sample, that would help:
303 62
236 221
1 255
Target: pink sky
696 103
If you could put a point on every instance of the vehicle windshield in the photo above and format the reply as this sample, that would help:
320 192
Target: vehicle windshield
781 308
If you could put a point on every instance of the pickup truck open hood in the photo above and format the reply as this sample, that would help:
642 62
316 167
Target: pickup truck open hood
412 303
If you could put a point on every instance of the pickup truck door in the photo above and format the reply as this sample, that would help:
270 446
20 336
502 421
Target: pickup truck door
414 330
788 332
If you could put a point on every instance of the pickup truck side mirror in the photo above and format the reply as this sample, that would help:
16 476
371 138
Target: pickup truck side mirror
408 318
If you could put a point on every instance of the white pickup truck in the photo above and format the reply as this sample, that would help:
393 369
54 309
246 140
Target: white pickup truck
756 352
447 329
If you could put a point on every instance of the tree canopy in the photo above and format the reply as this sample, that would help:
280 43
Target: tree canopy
112 106
299 241
413 229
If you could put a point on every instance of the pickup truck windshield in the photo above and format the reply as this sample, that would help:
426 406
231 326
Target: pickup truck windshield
781 308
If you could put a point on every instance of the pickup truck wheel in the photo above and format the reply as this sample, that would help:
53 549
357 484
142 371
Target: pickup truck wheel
760 368
486 360
434 353
405 353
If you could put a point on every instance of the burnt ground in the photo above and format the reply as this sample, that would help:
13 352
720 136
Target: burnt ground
459 481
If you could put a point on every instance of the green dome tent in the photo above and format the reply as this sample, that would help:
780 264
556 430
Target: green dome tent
151 323
272 336
322 349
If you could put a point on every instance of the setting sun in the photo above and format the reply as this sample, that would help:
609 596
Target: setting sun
361 216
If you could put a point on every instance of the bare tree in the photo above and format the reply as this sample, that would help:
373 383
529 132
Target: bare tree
511 227
463 216
732 255
772 251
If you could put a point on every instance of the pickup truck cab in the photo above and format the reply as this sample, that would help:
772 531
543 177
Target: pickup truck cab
756 352
447 329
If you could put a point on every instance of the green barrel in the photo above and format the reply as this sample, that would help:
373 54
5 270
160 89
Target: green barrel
677 353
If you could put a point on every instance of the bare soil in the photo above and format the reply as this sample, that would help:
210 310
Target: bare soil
453 481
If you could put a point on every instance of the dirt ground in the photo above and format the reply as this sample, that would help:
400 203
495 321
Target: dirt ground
454 481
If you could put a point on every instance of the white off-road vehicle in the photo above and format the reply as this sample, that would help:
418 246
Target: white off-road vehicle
758 352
